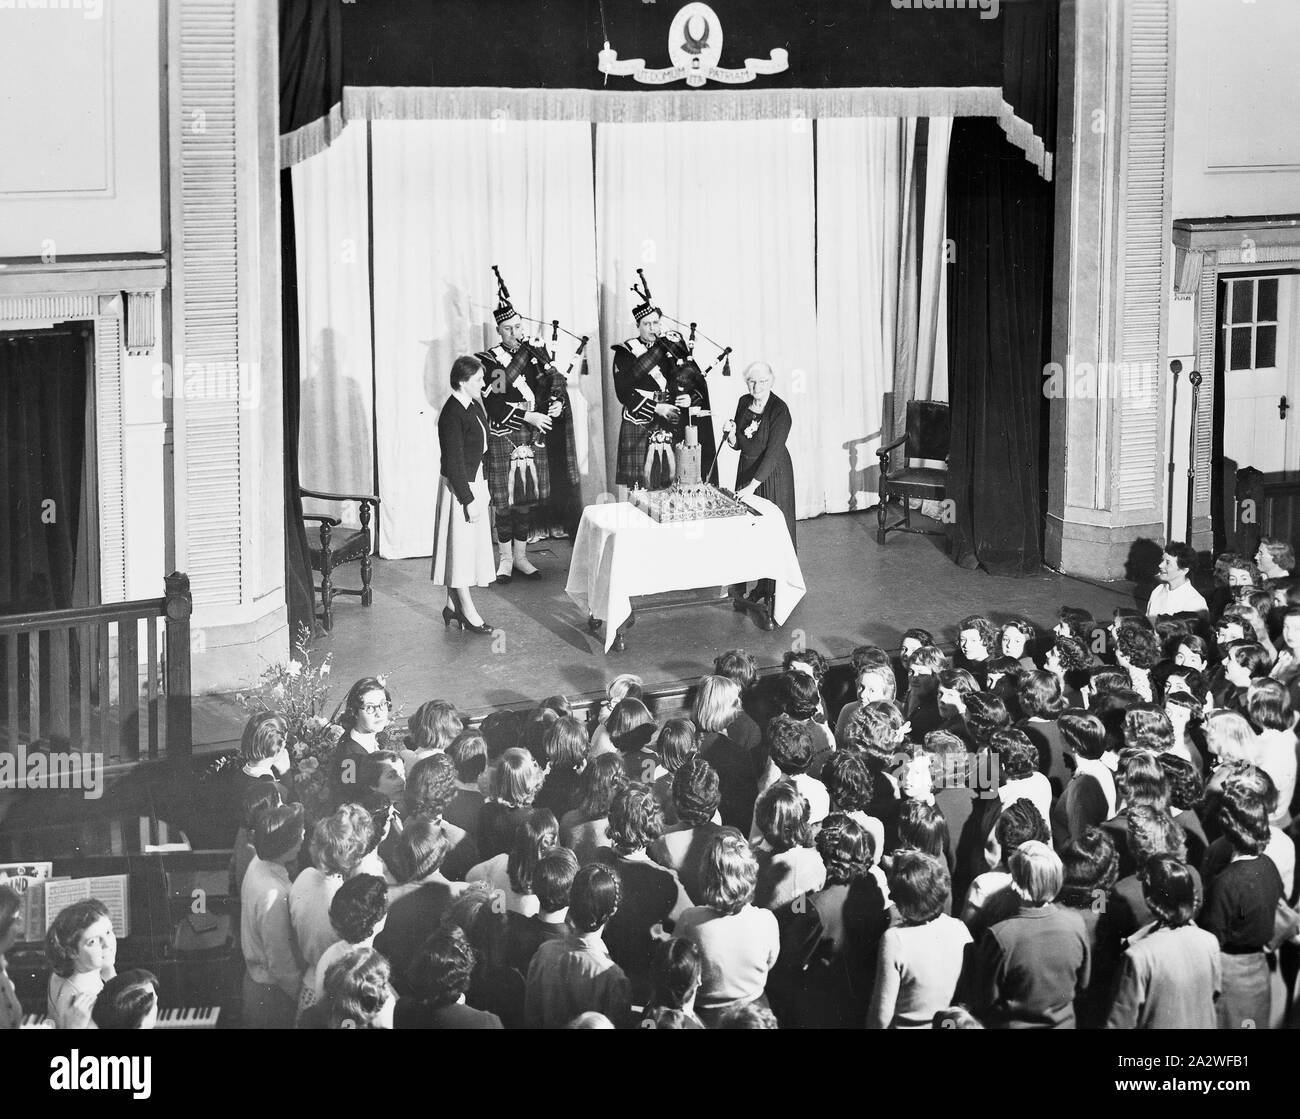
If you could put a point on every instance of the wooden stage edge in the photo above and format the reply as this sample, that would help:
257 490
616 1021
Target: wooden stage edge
858 593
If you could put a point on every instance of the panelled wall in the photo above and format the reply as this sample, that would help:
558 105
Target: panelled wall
225 334
1144 202
1169 112
81 168
138 190
1110 283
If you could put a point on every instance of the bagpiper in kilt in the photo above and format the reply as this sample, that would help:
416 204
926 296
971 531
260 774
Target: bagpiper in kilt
644 376
520 384
518 473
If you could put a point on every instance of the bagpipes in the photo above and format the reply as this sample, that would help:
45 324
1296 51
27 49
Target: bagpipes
672 354
551 380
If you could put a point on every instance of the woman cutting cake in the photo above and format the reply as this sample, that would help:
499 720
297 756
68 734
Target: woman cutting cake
760 432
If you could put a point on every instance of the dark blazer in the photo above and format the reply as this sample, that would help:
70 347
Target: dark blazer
462 437
464 810
1045 734
1031 968
412 1015
737 772
342 776
412 919
1081 806
649 897
497 826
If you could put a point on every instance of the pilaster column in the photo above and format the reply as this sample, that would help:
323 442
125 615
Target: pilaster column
225 334
1111 284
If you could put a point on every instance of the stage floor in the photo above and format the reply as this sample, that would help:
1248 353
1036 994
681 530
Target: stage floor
858 593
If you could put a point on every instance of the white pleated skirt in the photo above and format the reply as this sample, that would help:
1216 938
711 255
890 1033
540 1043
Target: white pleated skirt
462 552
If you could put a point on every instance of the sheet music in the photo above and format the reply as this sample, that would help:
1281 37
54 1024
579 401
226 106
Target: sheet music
111 889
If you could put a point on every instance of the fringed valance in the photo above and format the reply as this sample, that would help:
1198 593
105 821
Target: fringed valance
498 59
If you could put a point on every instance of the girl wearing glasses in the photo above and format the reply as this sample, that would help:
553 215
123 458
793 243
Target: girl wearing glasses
364 716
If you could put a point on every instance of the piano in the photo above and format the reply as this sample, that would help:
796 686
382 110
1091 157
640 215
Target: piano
196 969
169 1018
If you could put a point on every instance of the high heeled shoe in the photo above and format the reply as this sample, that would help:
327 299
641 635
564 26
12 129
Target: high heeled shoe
450 614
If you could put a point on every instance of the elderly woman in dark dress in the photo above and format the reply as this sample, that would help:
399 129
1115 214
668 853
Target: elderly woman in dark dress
760 432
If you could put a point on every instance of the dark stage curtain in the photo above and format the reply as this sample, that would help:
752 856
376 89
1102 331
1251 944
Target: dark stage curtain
1000 219
298 588
311 85
1029 39
311 61
43 421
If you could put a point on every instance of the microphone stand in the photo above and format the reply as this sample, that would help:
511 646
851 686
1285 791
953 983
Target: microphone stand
1194 379
1176 367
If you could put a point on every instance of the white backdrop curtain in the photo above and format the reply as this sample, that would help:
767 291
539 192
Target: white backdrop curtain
821 276
336 445
932 339
864 192
453 198
881 317
721 217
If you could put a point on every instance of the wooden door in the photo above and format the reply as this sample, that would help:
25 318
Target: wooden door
1260 386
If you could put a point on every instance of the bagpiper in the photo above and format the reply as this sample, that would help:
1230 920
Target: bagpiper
658 384
521 407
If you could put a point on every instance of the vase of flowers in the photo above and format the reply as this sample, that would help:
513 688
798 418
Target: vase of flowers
298 691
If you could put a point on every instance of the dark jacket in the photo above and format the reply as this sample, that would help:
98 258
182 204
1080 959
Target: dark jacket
464 810
497 826
829 945
738 777
345 770
412 919
765 453
1081 806
412 1015
1032 966
462 438
649 897
1045 734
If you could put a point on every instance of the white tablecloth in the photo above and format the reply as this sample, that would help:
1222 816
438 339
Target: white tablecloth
619 552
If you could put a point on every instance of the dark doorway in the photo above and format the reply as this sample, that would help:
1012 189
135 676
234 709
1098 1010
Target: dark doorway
48 534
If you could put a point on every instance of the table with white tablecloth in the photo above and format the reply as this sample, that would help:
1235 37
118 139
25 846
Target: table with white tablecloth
620 553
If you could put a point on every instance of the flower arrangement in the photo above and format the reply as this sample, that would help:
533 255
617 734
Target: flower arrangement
299 692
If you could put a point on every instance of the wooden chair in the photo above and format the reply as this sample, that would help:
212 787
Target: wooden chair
927 435
331 554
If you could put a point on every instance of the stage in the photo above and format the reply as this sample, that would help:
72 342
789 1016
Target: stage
857 593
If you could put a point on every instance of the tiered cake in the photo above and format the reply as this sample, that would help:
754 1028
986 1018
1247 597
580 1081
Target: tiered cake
688 462
688 498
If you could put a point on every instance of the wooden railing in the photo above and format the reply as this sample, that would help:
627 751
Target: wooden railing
72 678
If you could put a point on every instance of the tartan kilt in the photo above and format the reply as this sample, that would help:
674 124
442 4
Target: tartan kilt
499 450
633 446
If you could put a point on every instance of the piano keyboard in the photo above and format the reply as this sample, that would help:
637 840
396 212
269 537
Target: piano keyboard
171 1018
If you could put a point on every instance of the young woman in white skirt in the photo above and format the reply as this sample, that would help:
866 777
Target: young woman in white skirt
462 540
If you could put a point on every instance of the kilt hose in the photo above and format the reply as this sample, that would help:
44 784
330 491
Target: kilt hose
499 450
